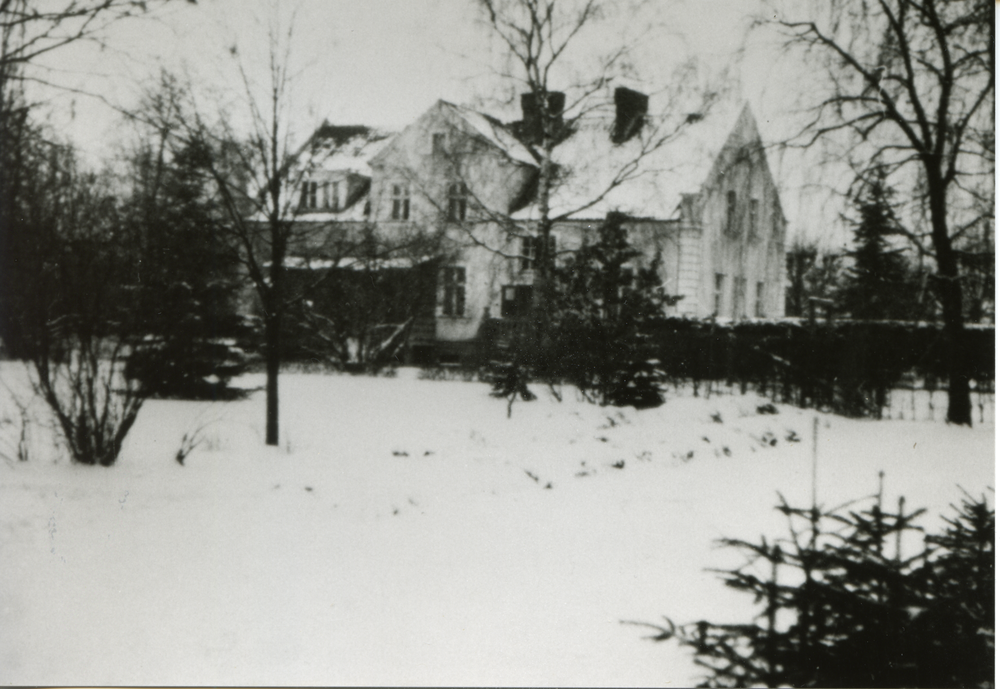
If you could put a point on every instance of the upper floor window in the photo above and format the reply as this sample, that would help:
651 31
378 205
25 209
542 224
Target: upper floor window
531 251
453 291
458 201
731 212
438 143
314 195
400 202
309 194
754 218
331 196
758 307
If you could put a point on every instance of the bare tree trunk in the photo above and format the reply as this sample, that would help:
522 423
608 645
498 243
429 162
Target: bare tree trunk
272 355
950 291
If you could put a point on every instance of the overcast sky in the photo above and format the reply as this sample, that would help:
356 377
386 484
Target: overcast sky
384 62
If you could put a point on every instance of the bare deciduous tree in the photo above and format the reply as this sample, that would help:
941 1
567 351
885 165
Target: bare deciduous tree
910 83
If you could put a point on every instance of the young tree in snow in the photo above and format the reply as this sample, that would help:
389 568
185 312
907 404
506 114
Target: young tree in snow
84 322
911 82
188 277
605 302
842 603
253 173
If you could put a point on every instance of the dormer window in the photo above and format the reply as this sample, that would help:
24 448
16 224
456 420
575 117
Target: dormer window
400 202
458 196
331 196
309 194
438 143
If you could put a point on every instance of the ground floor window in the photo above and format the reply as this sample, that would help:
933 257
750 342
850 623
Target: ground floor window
720 283
453 291
515 301
739 297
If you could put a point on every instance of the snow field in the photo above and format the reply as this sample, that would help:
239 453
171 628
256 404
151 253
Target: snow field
405 532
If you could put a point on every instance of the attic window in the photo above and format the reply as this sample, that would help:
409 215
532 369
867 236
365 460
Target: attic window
331 196
309 193
754 219
438 141
400 202
458 197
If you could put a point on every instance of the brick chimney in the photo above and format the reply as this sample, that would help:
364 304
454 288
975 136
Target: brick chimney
531 113
630 113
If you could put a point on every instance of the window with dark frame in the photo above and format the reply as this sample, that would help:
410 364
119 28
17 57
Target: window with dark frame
515 301
530 251
438 143
458 195
309 192
333 196
739 297
720 283
453 291
758 307
731 212
754 219
400 202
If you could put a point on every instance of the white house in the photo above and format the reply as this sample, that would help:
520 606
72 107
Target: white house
703 198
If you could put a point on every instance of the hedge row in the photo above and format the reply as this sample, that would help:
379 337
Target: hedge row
845 366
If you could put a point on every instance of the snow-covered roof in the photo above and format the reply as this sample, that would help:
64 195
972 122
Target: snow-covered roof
494 132
344 148
644 176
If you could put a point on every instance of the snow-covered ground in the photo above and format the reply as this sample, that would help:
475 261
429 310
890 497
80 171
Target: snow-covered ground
407 532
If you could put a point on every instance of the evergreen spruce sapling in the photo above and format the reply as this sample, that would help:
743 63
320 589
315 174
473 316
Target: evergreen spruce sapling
881 284
605 304
188 285
863 614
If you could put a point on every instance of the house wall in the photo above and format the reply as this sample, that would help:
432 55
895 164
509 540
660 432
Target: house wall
441 148
494 183
747 247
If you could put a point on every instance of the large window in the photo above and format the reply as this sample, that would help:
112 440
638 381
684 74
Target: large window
458 198
731 219
453 291
400 202
530 251
515 301
739 297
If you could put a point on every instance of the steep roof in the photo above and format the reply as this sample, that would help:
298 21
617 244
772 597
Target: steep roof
646 175
347 148
493 131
